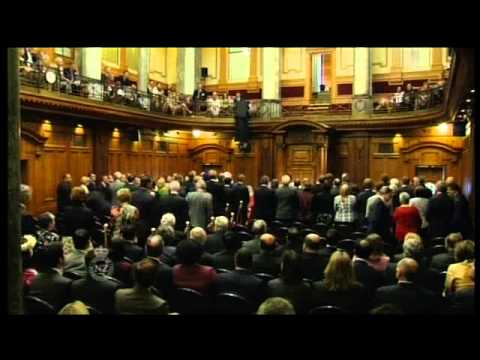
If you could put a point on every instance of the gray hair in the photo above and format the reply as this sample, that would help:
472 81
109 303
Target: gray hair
25 194
452 239
404 197
168 219
198 234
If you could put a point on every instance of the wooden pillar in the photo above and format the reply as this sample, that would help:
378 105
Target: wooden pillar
101 144
14 260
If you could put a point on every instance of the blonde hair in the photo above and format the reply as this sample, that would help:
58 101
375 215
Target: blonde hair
124 195
339 274
74 308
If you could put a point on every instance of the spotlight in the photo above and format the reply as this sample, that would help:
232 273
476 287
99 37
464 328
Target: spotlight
468 100
472 91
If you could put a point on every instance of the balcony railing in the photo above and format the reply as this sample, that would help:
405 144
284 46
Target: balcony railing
175 104
50 79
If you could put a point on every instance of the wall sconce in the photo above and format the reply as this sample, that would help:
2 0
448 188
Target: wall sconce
46 128
116 133
196 133
79 130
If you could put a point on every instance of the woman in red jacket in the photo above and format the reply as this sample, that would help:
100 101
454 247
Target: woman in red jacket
407 218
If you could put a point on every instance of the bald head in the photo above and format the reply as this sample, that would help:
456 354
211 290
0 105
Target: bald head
212 174
198 235
285 180
267 242
313 243
155 245
450 180
407 268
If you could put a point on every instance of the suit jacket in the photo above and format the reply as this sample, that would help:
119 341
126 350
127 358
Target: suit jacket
224 260
361 203
367 276
133 251
411 298
214 242
300 295
63 195
76 216
75 262
354 300
380 221
218 197
240 192
52 287
98 291
244 283
305 202
172 203
139 301
461 217
327 251
200 208
439 215
313 266
199 95
253 246
265 203
143 200
164 279
266 262
240 108
123 81
287 203
441 262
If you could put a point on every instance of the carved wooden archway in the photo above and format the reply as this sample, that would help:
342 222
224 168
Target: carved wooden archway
211 156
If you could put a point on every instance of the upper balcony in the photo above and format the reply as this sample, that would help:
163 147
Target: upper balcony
47 90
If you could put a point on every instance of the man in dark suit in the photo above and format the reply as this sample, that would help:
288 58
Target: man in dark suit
265 201
361 203
50 285
254 246
380 218
143 200
241 109
332 238
406 187
441 262
96 289
225 259
365 274
130 247
228 187
199 98
140 299
287 202
312 263
63 193
171 203
164 278
217 190
267 261
214 241
406 294
242 281
240 193
439 212
461 221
